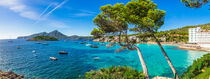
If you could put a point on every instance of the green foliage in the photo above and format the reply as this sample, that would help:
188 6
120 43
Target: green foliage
111 19
115 73
43 38
199 69
144 14
194 3
184 30
97 33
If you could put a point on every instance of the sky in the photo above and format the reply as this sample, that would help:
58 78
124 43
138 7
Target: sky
74 17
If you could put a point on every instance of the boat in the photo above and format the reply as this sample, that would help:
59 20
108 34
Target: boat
38 43
18 47
63 52
120 50
53 58
83 42
88 44
102 44
93 46
10 41
35 55
45 44
96 58
33 51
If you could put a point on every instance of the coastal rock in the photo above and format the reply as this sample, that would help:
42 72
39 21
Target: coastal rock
10 75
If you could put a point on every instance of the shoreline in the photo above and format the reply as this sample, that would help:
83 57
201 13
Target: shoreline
180 45
193 47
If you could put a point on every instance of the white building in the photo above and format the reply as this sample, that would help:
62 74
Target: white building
199 36
193 35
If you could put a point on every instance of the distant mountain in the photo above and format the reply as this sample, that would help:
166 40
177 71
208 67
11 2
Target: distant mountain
56 34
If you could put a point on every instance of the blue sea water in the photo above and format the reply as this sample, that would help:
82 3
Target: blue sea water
81 58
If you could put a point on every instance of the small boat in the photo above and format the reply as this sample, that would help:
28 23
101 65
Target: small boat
10 41
33 51
35 55
96 58
94 46
18 47
83 42
45 44
88 44
63 52
38 43
53 58
102 44
120 50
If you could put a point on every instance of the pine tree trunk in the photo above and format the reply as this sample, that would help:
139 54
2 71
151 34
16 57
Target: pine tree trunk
166 56
143 64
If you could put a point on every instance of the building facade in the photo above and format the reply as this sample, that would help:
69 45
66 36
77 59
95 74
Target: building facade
199 36
193 34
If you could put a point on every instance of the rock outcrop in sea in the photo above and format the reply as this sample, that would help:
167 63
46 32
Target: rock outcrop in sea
10 75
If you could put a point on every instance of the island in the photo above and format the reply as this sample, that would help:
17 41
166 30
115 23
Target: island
43 38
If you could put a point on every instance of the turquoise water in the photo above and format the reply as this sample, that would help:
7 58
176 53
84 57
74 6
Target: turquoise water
80 58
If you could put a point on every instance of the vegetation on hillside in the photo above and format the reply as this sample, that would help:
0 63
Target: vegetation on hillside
113 72
199 69
173 35
194 3
43 38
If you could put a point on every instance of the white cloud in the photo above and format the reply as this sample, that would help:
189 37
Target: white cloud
87 11
19 7
83 14
56 24
56 7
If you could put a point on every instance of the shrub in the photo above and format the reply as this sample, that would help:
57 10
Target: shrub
115 73
199 69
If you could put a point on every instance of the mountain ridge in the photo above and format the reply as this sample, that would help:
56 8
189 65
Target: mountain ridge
54 33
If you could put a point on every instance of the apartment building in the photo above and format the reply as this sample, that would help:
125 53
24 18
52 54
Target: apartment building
199 36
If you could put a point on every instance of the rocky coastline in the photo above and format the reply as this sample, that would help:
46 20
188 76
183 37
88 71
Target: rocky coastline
10 75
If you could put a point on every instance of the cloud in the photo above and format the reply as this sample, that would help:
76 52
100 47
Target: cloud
87 11
83 14
45 9
19 7
56 24
56 7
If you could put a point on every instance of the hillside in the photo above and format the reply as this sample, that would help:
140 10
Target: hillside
54 33
43 38
185 29
173 35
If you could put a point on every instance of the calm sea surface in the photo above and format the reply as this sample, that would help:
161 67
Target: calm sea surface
81 58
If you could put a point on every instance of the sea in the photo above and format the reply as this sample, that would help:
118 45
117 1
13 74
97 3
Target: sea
16 55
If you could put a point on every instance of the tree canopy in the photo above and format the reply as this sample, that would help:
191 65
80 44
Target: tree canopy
97 33
194 3
139 15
